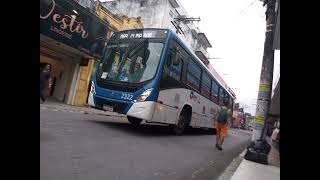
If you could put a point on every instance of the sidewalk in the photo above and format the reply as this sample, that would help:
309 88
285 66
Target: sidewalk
241 131
58 106
241 169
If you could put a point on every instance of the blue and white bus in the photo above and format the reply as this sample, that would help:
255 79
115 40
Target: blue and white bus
151 75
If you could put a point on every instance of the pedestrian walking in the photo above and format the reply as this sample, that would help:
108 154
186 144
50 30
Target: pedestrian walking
222 125
44 80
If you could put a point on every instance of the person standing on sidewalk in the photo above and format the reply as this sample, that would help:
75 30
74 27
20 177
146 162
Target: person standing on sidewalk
222 125
44 80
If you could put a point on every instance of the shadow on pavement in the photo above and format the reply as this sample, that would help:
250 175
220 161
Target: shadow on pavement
152 129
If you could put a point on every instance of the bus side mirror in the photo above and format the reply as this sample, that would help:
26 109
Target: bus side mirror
176 59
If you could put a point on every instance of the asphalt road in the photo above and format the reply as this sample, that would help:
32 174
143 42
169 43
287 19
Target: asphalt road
76 146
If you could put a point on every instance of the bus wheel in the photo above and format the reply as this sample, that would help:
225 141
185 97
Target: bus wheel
134 121
178 129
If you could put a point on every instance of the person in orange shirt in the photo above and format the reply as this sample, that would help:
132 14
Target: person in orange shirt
222 125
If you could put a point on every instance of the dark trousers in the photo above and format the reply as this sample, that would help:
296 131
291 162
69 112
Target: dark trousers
42 88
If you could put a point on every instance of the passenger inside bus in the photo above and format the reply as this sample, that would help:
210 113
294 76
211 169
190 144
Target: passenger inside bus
115 66
137 70
123 76
138 67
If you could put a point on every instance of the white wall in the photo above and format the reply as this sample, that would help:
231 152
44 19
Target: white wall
62 84
75 73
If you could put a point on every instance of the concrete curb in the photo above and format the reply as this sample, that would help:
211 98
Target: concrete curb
233 166
83 110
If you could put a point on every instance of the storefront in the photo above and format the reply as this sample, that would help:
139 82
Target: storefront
70 41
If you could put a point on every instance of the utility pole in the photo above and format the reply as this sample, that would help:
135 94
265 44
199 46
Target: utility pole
266 76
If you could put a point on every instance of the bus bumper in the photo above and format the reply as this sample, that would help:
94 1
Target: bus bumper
90 100
142 110
118 106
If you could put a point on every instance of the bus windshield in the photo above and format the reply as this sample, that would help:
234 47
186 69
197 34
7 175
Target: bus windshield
132 62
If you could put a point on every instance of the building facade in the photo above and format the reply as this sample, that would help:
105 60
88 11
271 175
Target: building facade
117 22
168 14
88 4
68 42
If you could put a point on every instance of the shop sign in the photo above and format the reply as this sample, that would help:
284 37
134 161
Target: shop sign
68 22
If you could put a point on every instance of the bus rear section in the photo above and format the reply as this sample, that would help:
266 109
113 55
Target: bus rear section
189 95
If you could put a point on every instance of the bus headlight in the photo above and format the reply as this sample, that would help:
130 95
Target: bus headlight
92 90
144 95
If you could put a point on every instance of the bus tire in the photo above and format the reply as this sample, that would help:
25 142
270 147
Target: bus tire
134 121
179 128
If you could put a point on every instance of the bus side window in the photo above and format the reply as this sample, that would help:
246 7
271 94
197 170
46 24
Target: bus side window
172 72
185 60
168 62
171 69
221 96
193 75
231 103
214 91
205 85
226 99
176 70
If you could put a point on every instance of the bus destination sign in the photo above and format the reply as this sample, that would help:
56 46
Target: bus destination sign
142 34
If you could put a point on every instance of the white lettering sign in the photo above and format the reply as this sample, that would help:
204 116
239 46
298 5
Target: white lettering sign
123 36
147 35
138 35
